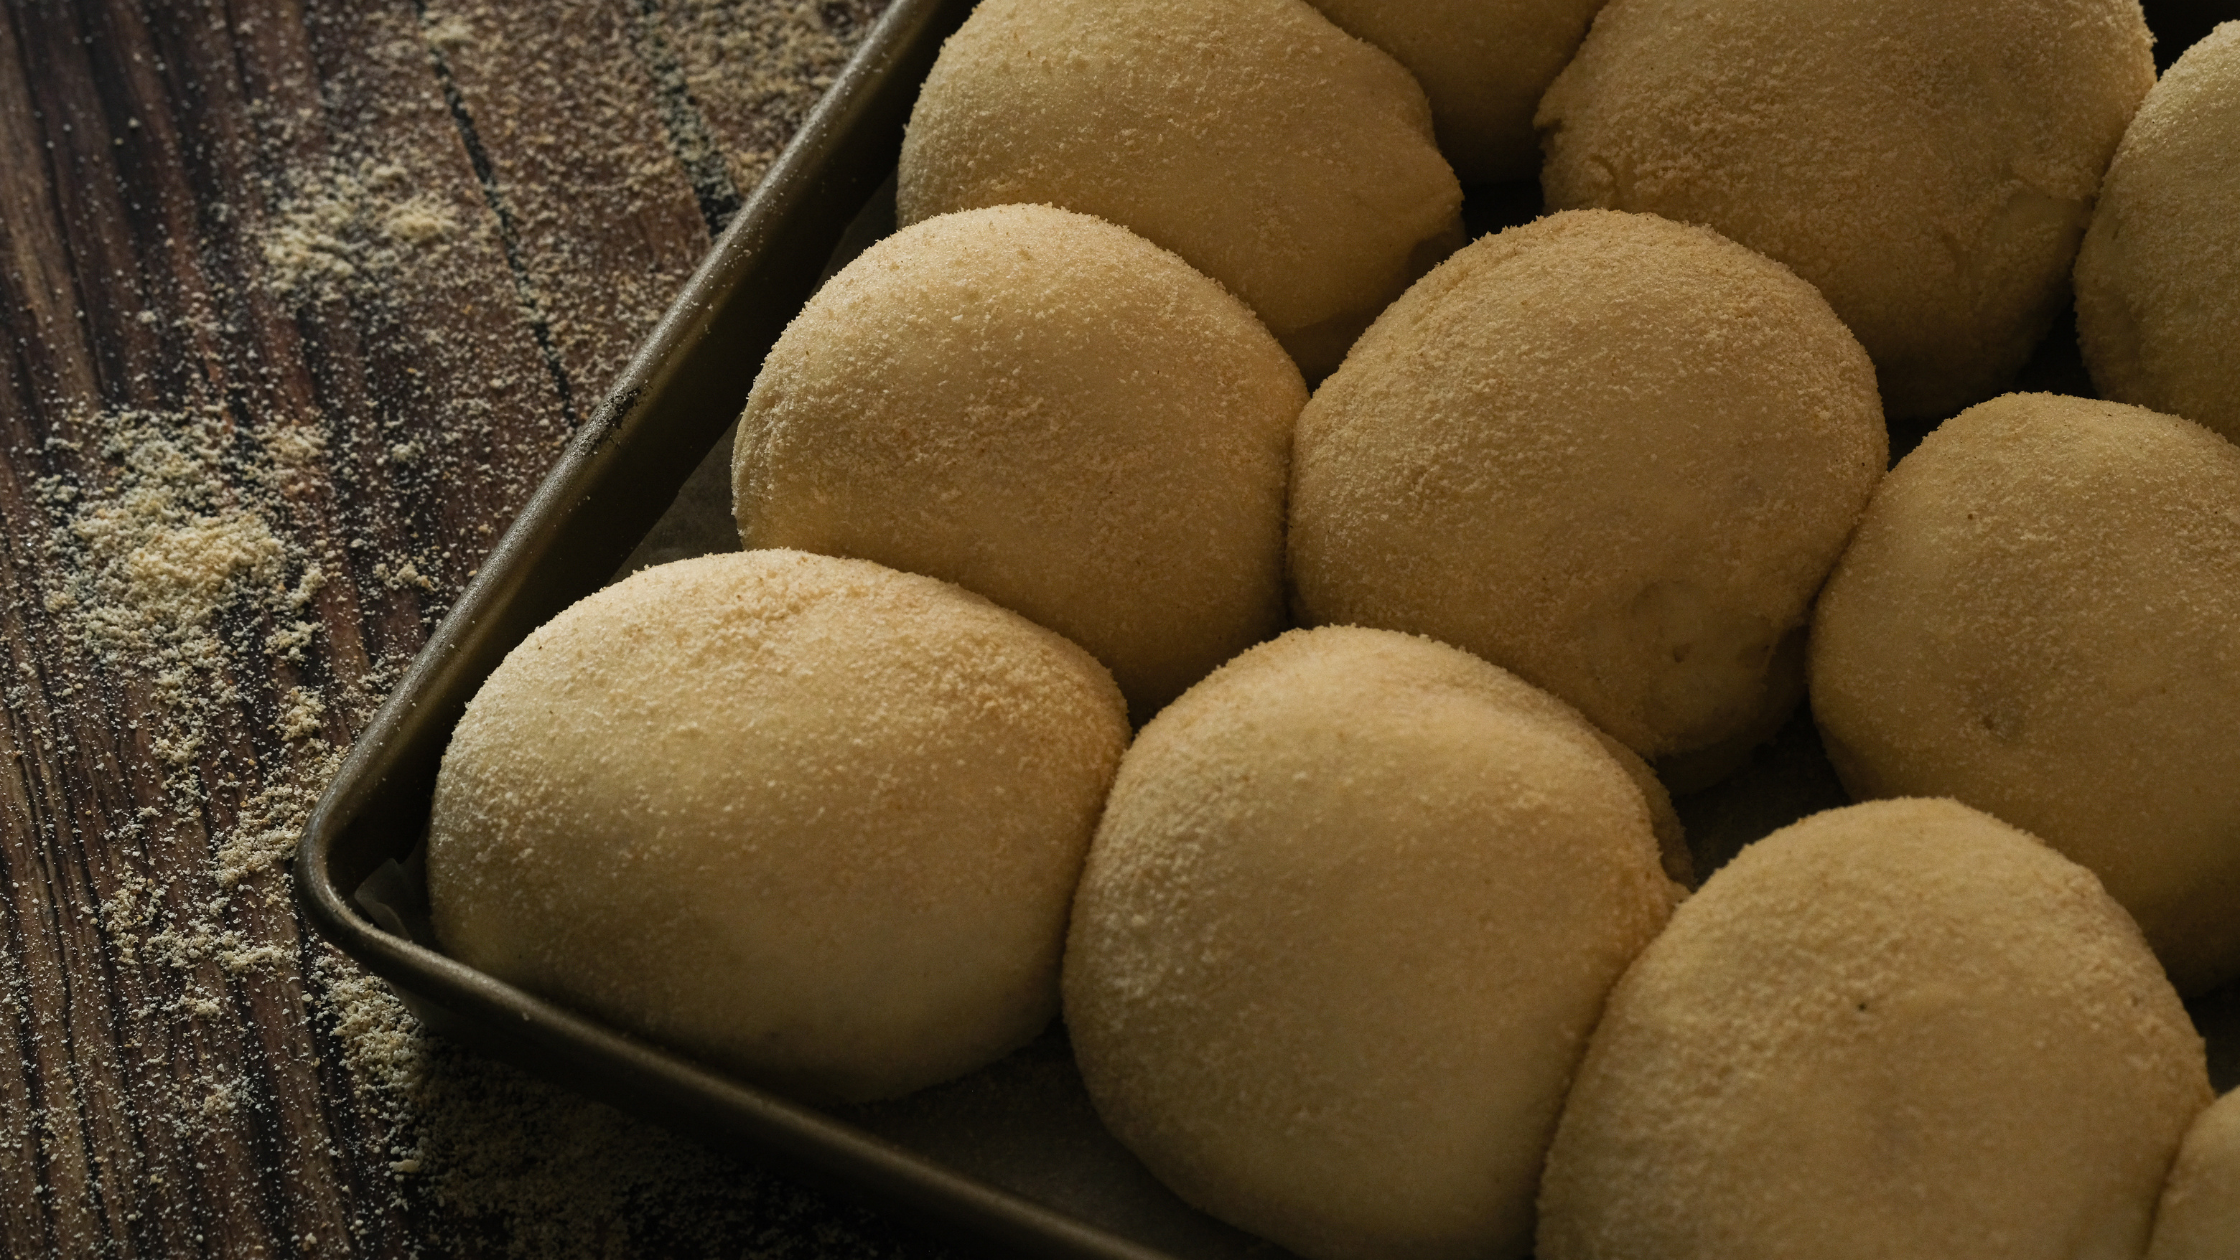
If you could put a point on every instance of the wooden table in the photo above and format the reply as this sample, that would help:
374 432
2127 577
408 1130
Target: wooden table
298 299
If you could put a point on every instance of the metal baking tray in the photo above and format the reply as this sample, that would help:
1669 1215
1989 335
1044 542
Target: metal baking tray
1010 1160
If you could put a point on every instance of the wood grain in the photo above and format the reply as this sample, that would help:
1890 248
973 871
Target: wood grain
182 1102
750 71
331 280
603 235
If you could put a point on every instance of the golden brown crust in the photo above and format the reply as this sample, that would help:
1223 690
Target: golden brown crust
1483 63
2199 1218
1274 152
1352 908
2158 277
1612 453
1928 165
810 819
1899 1029
1048 410
2037 617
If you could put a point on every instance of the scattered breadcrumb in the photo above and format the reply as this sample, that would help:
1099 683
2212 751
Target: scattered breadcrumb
188 560
756 68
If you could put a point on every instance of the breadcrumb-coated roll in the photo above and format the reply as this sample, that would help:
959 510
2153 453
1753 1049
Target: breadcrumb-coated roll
1899 1029
1350 914
1928 165
2040 616
2200 1214
805 818
2158 277
1483 63
1049 410
1612 453
1279 155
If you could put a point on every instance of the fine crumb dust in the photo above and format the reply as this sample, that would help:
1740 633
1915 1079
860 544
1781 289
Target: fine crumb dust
754 68
524 1169
198 558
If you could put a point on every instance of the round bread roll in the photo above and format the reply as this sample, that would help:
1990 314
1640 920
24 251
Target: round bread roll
1483 63
2158 277
1350 914
1277 154
2200 1214
2040 616
808 819
1897 1029
1929 166
1609 452
1048 410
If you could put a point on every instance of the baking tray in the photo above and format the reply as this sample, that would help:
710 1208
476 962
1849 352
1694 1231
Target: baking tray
1010 1160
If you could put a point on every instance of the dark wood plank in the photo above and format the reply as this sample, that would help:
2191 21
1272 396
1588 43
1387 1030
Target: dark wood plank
753 70
97 1052
297 300
568 119
192 368
45 1174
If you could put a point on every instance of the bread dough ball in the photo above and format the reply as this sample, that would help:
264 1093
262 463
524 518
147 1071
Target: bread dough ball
1609 452
1928 165
1274 152
1483 63
2158 277
1353 907
808 819
1898 1029
2041 617
1048 410
2200 1214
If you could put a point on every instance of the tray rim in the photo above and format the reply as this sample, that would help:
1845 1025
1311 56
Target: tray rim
770 256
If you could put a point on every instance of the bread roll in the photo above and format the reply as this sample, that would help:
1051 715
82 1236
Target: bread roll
2158 277
1897 1029
1349 916
1483 63
2200 1214
1271 150
1048 410
1609 452
808 819
2040 616
1929 166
